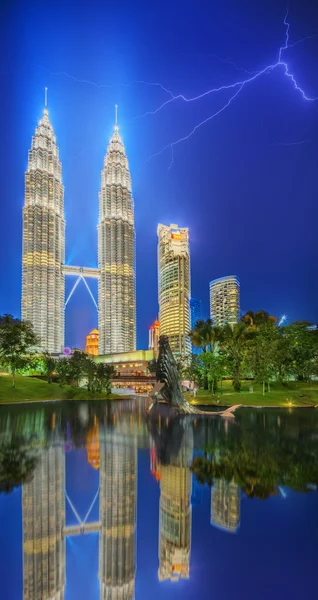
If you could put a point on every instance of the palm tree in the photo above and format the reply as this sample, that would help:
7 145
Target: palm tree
200 334
258 319
204 335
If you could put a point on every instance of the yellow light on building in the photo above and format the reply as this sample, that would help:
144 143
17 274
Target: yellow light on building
91 346
44 239
225 301
174 287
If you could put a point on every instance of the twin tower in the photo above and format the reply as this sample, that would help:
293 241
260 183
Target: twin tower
43 253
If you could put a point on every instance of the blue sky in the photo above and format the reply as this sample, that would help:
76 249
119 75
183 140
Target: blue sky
244 183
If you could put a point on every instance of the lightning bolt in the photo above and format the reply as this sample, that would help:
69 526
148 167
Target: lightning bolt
172 144
237 84
111 85
291 143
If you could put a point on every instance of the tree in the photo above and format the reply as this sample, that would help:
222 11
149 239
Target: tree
207 337
214 365
17 465
63 370
193 371
258 320
303 345
50 364
17 343
233 350
104 375
89 368
260 352
152 365
200 334
77 365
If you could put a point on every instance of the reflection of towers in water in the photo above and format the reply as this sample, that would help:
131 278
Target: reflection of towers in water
176 513
118 478
226 505
43 507
92 445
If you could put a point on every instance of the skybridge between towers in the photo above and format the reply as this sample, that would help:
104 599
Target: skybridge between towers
82 273
82 527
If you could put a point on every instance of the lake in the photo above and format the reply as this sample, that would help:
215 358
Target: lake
99 501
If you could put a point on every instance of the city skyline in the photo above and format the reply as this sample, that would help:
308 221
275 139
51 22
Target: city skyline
256 158
43 268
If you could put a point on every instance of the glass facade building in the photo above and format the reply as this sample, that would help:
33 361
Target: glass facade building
116 253
225 301
43 248
174 287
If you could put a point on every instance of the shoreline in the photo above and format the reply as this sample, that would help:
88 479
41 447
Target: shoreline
48 400
119 398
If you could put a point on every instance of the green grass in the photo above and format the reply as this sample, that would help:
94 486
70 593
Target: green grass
278 396
32 389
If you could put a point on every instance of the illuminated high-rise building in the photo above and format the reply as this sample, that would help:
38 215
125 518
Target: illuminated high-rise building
116 253
43 513
176 514
225 301
174 287
91 345
117 508
154 333
44 239
226 505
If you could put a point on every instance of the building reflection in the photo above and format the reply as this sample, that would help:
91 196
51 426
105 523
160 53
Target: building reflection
118 480
175 512
226 505
114 453
92 445
43 509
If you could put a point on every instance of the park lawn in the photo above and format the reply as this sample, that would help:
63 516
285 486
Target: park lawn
33 389
298 393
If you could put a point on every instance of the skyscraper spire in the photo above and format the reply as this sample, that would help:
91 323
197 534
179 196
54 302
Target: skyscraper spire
116 253
116 117
44 239
45 97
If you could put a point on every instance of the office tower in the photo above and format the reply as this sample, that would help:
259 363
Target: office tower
44 239
175 513
43 514
174 287
226 505
91 346
118 481
196 315
196 311
154 332
116 253
225 301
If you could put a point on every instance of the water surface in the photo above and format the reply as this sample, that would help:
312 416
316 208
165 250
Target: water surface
99 502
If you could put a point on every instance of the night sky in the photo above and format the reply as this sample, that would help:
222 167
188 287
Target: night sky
244 183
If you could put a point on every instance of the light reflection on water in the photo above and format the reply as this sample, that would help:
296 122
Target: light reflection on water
114 505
